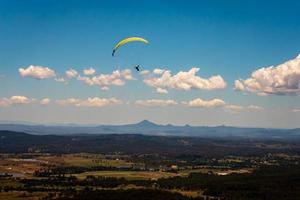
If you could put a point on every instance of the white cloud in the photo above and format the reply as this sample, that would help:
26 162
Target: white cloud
67 102
238 85
234 108
126 74
199 103
89 71
205 103
15 100
37 72
254 108
145 72
162 80
221 103
296 110
89 102
156 102
158 71
237 108
117 78
161 91
71 73
283 79
45 101
19 100
61 80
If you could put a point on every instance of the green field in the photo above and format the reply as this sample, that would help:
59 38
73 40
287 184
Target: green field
130 175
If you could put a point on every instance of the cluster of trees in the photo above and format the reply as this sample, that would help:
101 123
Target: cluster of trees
17 142
266 183
91 181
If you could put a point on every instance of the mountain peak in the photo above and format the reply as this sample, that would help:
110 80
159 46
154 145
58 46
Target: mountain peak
146 123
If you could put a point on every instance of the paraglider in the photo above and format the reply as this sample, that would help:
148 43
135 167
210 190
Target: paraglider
127 40
137 67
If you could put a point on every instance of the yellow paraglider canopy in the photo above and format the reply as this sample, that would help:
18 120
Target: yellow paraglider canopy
127 40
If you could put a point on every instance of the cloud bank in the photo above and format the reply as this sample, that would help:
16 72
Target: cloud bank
117 78
155 102
101 102
213 103
163 80
199 103
236 108
89 102
89 71
205 103
283 79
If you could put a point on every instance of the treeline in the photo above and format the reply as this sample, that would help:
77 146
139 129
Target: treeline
56 192
89 181
266 183
15 142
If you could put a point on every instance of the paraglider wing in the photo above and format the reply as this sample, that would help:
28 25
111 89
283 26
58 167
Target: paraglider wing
127 40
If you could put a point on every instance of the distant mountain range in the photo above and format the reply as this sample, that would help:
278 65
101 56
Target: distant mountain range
149 128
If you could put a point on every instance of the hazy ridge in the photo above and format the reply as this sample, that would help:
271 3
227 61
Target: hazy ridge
148 128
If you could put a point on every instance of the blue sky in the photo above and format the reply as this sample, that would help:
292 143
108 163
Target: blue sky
227 38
